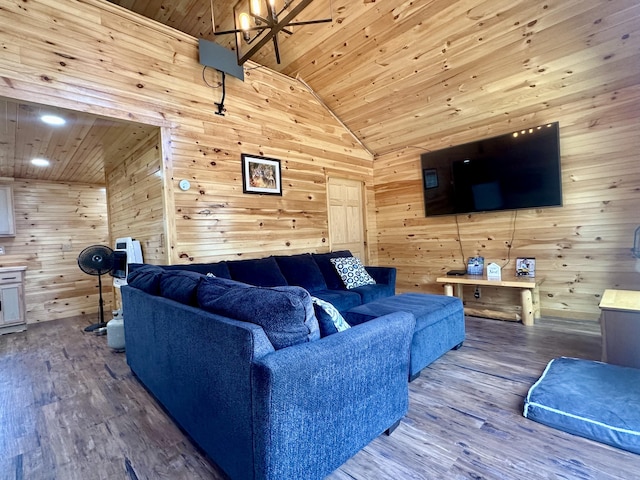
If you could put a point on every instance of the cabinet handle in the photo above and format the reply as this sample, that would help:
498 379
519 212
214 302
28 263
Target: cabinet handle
9 278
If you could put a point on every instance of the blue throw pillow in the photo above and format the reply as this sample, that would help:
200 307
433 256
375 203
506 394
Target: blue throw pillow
329 318
285 313
212 287
146 278
352 273
261 272
180 285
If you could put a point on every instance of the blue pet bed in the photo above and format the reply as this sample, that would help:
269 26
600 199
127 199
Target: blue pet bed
591 399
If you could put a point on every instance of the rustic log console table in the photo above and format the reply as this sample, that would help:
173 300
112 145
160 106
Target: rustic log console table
529 293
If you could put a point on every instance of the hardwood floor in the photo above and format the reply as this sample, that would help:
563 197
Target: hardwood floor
70 409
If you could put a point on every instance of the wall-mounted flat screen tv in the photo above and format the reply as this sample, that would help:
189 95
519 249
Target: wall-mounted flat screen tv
513 171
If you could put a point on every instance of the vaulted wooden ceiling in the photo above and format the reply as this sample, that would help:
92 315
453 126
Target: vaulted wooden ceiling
406 72
396 73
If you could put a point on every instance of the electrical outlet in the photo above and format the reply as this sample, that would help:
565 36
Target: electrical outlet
1 250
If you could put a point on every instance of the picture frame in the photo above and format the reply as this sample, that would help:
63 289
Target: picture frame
526 267
261 175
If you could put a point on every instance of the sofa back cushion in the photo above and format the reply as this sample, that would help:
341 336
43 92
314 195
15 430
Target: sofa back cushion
285 313
180 285
219 269
211 288
334 282
302 271
261 272
146 278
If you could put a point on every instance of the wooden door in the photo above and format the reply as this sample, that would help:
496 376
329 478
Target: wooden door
346 216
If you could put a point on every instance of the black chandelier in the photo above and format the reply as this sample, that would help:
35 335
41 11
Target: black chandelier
261 21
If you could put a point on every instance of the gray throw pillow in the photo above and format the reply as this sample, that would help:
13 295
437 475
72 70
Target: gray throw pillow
352 273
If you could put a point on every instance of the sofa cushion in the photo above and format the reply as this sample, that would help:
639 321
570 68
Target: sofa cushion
180 285
331 277
211 288
329 318
261 272
146 278
341 299
302 270
369 293
219 269
351 271
285 313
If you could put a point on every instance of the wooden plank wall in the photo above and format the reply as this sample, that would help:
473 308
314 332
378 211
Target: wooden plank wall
581 248
135 199
54 223
111 62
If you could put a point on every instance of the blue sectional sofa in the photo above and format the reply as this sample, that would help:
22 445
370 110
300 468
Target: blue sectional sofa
245 372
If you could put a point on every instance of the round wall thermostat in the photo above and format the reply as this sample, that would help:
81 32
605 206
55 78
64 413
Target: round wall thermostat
184 185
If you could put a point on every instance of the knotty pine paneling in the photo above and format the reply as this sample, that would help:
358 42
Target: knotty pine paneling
111 62
54 223
135 199
581 248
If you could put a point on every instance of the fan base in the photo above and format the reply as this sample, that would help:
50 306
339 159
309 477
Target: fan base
95 326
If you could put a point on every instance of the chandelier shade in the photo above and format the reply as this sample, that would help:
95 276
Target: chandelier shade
258 22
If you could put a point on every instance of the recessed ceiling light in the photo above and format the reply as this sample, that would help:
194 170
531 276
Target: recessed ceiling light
53 120
40 162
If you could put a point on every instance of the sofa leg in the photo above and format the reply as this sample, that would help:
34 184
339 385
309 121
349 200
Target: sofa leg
390 430
458 346
414 376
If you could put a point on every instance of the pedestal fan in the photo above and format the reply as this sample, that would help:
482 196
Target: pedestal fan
96 260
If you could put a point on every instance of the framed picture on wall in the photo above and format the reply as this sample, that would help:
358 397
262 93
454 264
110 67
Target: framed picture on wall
261 175
526 267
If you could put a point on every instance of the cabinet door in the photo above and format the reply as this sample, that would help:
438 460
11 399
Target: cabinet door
10 311
7 219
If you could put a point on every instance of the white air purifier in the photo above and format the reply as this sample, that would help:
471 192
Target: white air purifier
126 251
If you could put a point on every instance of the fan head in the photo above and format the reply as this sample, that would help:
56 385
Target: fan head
96 260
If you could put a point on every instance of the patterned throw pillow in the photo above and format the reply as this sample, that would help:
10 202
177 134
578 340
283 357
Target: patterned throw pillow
351 271
329 318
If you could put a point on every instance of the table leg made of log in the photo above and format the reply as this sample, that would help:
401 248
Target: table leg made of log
529 300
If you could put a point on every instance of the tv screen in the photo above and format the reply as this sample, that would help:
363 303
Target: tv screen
508 172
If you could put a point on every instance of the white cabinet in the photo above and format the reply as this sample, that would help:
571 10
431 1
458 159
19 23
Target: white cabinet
12 304
7 217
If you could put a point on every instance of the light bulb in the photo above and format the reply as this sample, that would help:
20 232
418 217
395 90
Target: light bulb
255 7
245 25
245 21
274 13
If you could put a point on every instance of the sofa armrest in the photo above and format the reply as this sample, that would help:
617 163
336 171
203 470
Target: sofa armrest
386 275
198 366
316 404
